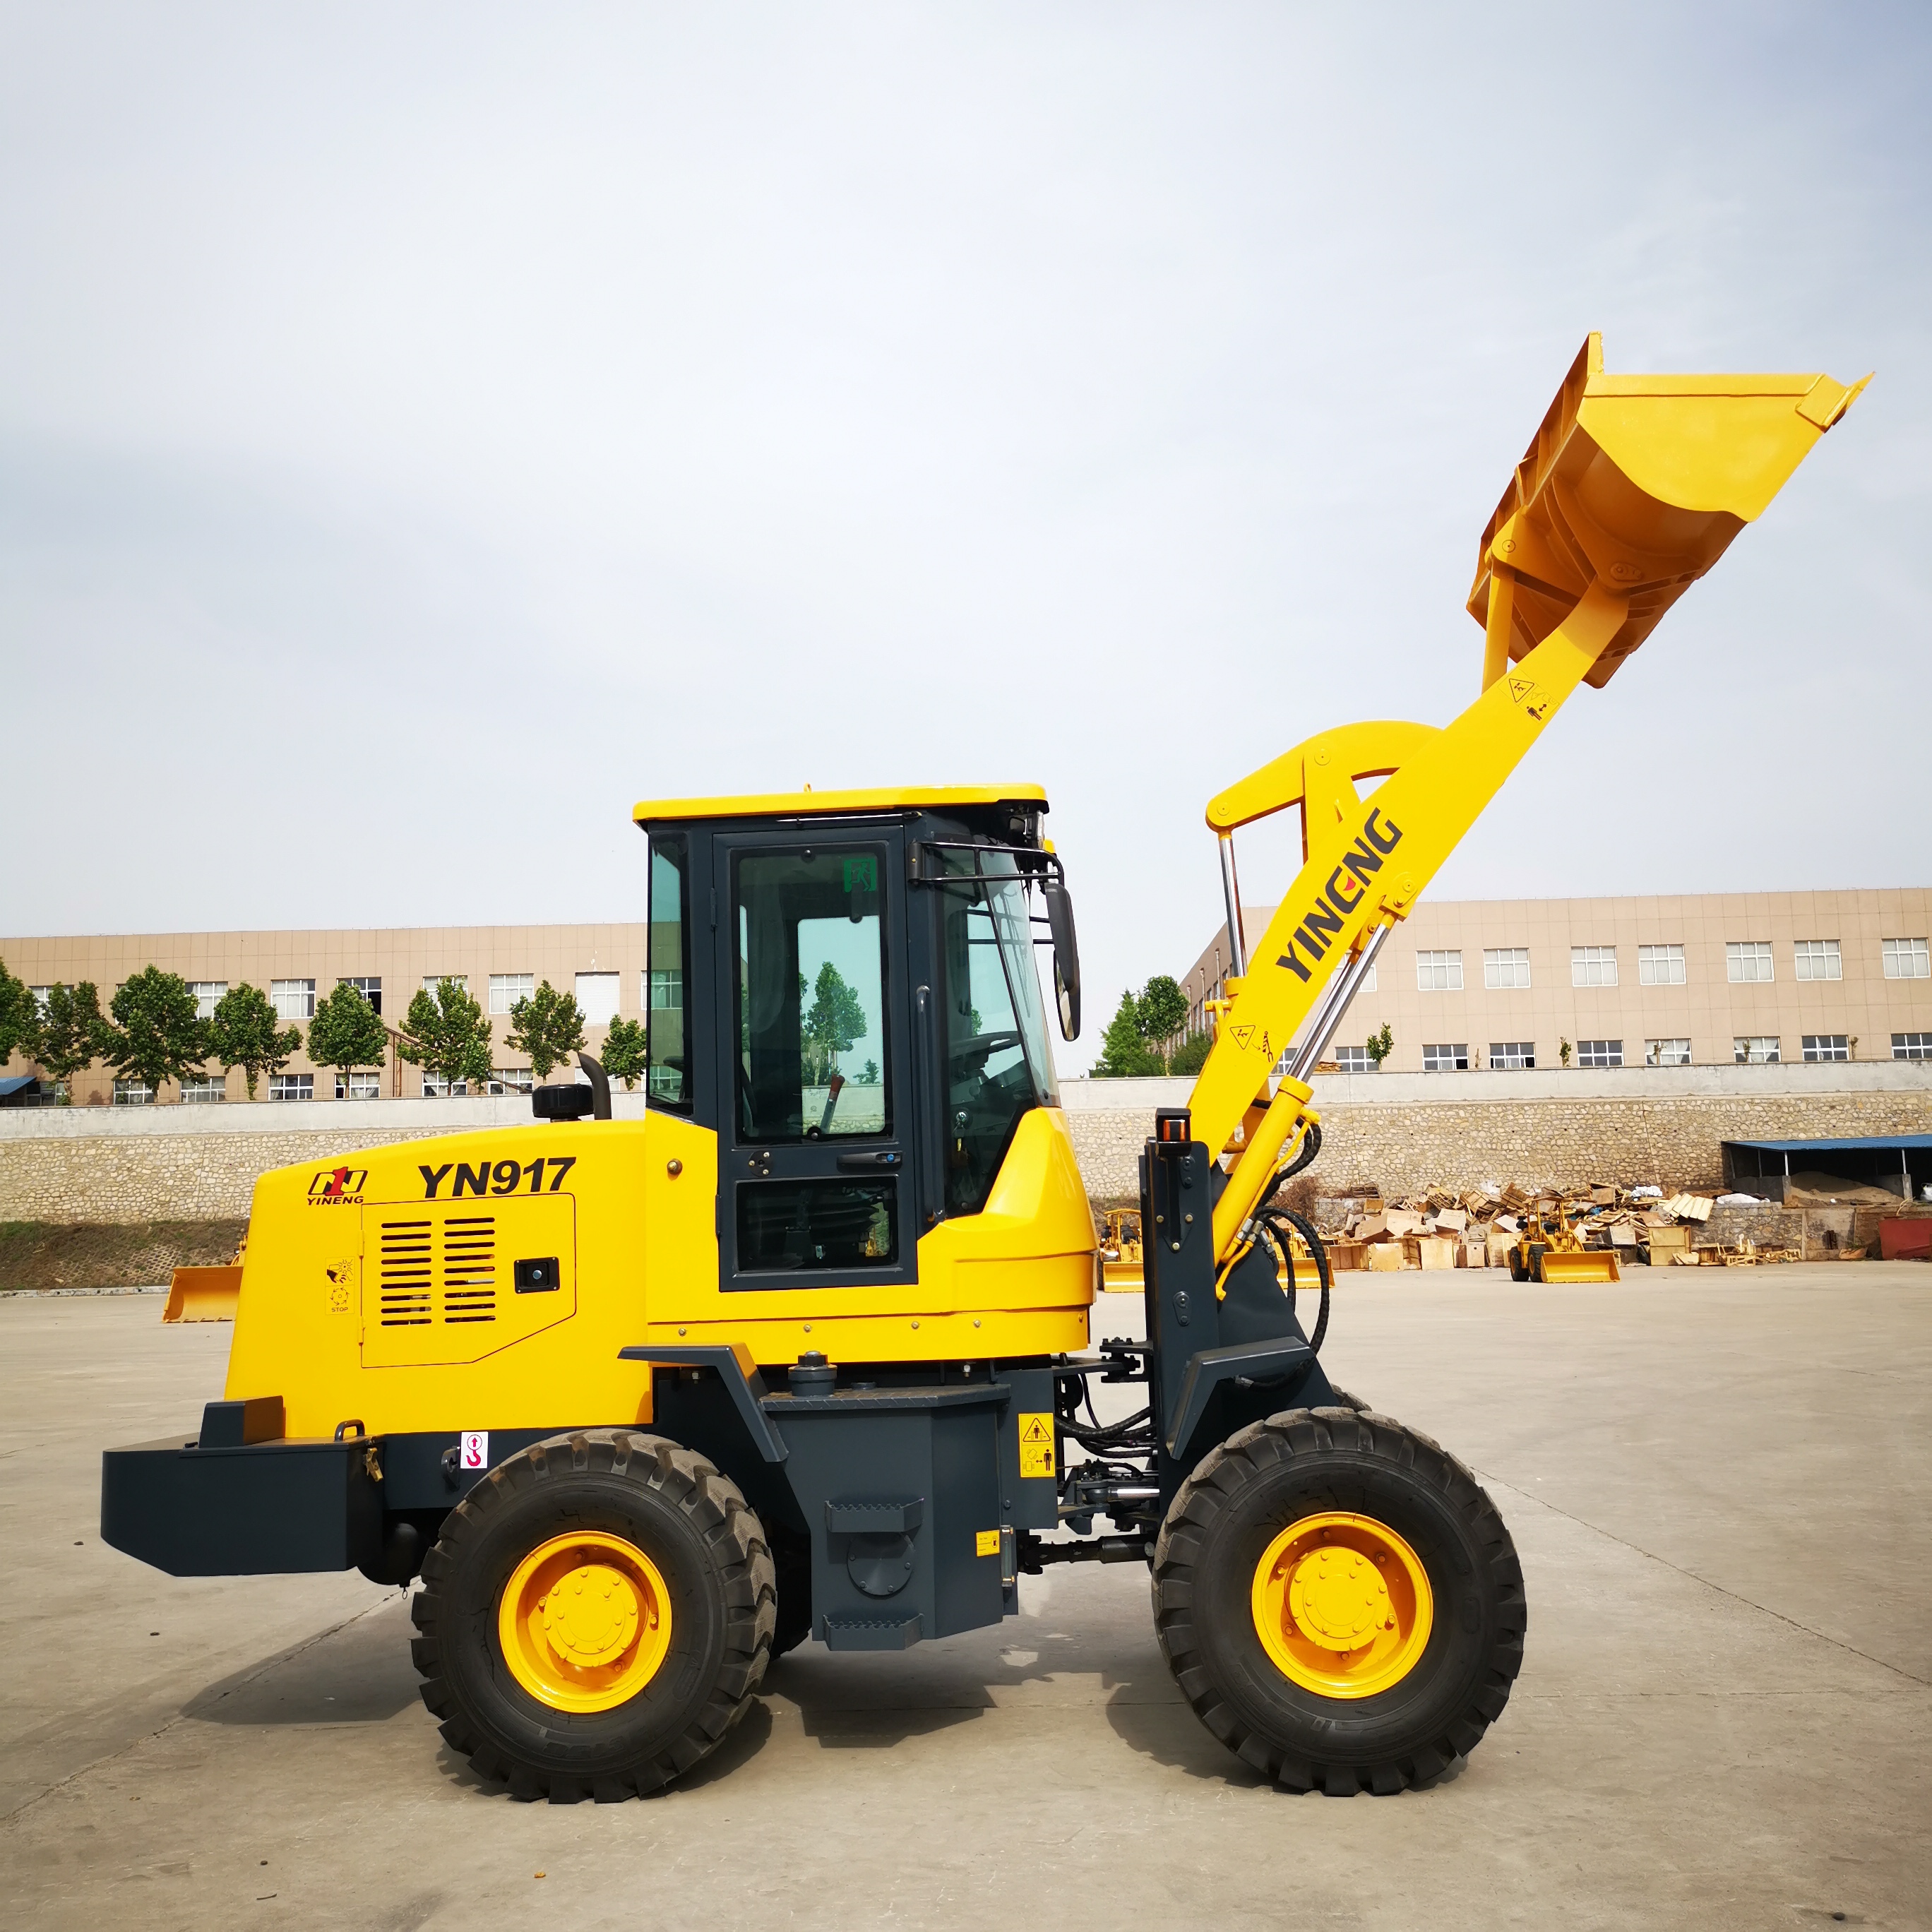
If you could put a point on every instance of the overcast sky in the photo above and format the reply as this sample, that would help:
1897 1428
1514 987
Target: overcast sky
424 431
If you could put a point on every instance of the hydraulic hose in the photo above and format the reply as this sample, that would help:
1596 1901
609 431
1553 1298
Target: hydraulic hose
1279 1221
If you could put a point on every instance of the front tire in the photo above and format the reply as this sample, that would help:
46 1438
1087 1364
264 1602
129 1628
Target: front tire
596 1616
1316 1529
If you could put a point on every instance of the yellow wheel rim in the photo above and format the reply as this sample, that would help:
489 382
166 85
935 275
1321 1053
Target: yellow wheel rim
584 1621
1343 1606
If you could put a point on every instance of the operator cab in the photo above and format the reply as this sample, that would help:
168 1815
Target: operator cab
841 987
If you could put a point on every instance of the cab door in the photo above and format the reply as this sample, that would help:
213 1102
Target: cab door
814 1073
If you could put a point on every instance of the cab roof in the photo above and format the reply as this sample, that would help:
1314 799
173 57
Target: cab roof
807 803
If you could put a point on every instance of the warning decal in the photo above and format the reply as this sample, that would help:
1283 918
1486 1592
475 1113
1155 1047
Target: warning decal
475 1449
986 1543
1036 1445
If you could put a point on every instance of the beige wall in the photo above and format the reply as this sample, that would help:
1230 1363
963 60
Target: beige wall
399 957
1708 1010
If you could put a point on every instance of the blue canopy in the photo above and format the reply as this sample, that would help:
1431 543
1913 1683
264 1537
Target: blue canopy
14 1082
1869 1143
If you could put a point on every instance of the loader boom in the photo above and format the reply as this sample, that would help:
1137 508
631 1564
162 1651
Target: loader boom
1632 488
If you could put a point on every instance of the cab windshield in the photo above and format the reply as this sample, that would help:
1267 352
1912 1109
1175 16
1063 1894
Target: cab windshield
998 1062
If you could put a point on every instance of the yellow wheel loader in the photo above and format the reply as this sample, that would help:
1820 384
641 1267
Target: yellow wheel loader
645 1402
1549 1250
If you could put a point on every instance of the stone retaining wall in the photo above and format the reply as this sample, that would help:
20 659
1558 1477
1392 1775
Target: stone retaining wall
158 1177
183 1164
1673 1142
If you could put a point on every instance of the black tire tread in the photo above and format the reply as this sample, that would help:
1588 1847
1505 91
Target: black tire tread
716 1508
1311 1431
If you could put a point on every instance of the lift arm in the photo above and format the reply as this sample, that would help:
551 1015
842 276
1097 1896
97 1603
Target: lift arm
1632 490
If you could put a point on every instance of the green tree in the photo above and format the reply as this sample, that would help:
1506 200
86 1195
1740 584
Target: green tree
1124 1052
247 1032
73 1031
1162 1011
836 1021
347 1032
158 1031
547 1025
1191 1055
624 1052
1381 1046
19 1018
446 1034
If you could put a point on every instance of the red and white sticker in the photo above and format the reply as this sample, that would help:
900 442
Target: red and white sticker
476 1448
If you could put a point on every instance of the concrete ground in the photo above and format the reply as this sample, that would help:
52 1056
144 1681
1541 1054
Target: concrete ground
1719 1485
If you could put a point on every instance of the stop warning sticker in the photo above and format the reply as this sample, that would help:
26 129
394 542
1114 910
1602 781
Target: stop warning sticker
1036 1445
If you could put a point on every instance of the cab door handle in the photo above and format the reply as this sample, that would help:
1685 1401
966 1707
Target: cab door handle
877 1158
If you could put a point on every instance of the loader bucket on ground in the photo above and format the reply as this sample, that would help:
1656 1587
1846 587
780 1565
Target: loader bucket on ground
1563 1271
203 1294
1639 482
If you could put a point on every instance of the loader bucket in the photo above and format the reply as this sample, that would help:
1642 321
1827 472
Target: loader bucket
203 1294
1562 1271
1639 482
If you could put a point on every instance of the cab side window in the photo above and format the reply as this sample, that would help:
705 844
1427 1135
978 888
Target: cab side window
667 1081
810 983
989 1083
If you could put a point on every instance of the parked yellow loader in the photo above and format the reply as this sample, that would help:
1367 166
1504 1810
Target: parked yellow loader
645 1402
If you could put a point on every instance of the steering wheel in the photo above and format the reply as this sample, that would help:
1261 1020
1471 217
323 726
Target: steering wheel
984 1045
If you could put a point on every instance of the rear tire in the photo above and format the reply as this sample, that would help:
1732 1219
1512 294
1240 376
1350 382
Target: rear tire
1235 1509
704 1546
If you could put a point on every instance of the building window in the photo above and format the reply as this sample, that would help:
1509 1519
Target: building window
1748 962
1439 972
1660 965
1593 966
507 989
133 1093
1906 959
1912 1046
40 994
661 989
1818 959
1666 1053
1368 986
1354 1059
358 1086
432 981
292 1086
1825 1046
207 996
1599 1053
510 1080
597 997
1451 1056
371 990
205 1087
294 999
435 1088
1514 1055
1505 967
1755 1050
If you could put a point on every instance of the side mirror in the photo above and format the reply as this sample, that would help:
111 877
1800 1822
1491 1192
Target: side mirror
1065 954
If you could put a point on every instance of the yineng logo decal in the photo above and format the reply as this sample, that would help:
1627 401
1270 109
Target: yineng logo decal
337 1186
1321 925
